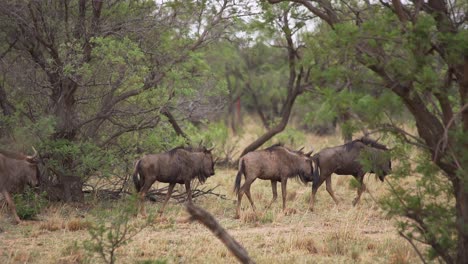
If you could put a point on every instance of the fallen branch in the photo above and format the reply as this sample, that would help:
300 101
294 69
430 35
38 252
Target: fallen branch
155 194
210 222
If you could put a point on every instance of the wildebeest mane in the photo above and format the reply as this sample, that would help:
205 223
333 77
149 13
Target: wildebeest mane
366 141
274 146
187 148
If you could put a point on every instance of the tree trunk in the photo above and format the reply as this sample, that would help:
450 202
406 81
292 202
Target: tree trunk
461 188
295 87
68 188
461 207
277 128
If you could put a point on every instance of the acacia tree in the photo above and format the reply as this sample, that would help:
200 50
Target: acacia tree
285 20
418 51
99 70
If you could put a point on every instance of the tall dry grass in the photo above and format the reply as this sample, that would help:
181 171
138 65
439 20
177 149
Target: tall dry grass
331 234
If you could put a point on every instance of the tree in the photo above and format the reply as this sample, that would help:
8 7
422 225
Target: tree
94 71
283 19
419 52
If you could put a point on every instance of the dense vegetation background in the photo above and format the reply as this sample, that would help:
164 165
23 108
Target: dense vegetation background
94 84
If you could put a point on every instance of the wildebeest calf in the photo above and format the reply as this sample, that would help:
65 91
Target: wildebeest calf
345 160
17 171
179 165
277 164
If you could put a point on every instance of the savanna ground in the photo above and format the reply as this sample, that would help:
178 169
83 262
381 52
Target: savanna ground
331 234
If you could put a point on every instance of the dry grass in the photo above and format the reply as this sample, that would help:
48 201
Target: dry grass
76 224
331 234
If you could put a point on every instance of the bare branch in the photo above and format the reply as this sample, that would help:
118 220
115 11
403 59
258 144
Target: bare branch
210 222
414 246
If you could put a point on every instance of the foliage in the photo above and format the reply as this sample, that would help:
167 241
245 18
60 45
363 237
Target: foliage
113 230
76 158
428 203
29 204
291 137
388 67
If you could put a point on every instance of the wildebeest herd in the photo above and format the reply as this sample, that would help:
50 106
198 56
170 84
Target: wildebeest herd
182 165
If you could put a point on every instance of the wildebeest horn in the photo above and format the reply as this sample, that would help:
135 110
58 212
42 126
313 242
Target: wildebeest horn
34 155
299 150
309 153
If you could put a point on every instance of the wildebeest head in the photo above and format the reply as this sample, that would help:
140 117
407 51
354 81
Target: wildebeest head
386 169
303 163
208 163
306 167
379 157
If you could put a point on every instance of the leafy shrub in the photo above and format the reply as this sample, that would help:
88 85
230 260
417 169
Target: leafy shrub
113 230
29 204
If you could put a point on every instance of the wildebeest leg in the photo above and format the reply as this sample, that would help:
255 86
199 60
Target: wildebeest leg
239 200
244 189
315 187
330 190
189 191
247 192
12 206
141 199
168 195
283 192
275 192
361 189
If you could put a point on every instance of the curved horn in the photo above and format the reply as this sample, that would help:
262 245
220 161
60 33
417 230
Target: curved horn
300 150
211 147
309 153
34 155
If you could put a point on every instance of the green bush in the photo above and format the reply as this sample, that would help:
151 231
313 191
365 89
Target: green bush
29 204
114 229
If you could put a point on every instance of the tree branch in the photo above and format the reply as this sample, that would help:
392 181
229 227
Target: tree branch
210 222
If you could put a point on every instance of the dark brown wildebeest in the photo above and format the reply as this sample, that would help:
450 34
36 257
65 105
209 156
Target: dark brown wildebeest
277 164
179 165
345 160
17 171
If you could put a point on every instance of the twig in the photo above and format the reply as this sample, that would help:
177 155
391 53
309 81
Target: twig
210 222
414 246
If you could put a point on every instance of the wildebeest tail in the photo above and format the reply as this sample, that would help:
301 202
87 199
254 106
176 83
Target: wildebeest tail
316 174
136 176
239 176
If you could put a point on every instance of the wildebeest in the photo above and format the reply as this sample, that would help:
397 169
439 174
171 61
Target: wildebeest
277 164
17 171
346 160
179 165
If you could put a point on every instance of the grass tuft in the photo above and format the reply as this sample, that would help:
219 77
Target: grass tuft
76 224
